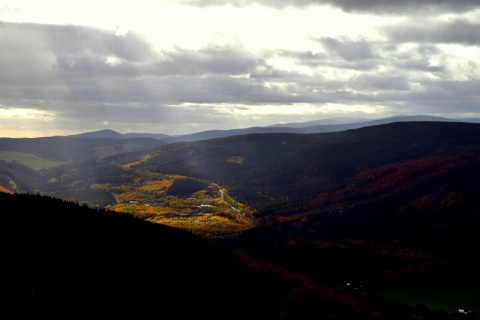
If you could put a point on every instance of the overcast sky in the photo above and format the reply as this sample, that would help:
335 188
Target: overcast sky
176 67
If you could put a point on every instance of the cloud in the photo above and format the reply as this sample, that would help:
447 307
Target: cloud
425 59
210 60
381 82
348 49
443 97
77 59
459 31
80 76
391 7
394 7
73 39
67 72
76 76
43 54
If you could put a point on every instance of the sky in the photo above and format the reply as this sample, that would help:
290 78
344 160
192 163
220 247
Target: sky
178 67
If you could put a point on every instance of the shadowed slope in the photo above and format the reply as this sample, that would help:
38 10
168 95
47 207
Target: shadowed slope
65 261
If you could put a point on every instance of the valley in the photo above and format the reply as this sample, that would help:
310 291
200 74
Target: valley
178 201
199 207
390 206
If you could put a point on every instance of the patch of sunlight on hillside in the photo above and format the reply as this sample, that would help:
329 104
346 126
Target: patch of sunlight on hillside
29 160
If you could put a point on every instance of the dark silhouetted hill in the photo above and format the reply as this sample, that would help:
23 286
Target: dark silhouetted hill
65 261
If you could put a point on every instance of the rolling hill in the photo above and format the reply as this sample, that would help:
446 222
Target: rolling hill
76 149
262 166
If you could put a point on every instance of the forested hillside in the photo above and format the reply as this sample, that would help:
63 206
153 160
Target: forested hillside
76 149
259 167
65 261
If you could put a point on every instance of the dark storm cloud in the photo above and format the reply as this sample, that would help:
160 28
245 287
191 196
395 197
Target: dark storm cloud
456 32
392 7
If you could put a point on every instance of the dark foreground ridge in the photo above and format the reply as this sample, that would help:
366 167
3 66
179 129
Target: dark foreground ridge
65 261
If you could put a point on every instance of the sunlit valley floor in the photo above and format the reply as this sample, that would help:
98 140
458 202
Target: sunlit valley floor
201 208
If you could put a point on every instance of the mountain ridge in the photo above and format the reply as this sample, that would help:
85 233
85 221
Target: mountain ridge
316 126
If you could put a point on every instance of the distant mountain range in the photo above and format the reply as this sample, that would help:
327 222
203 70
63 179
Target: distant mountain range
104 143
318 126
110 134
